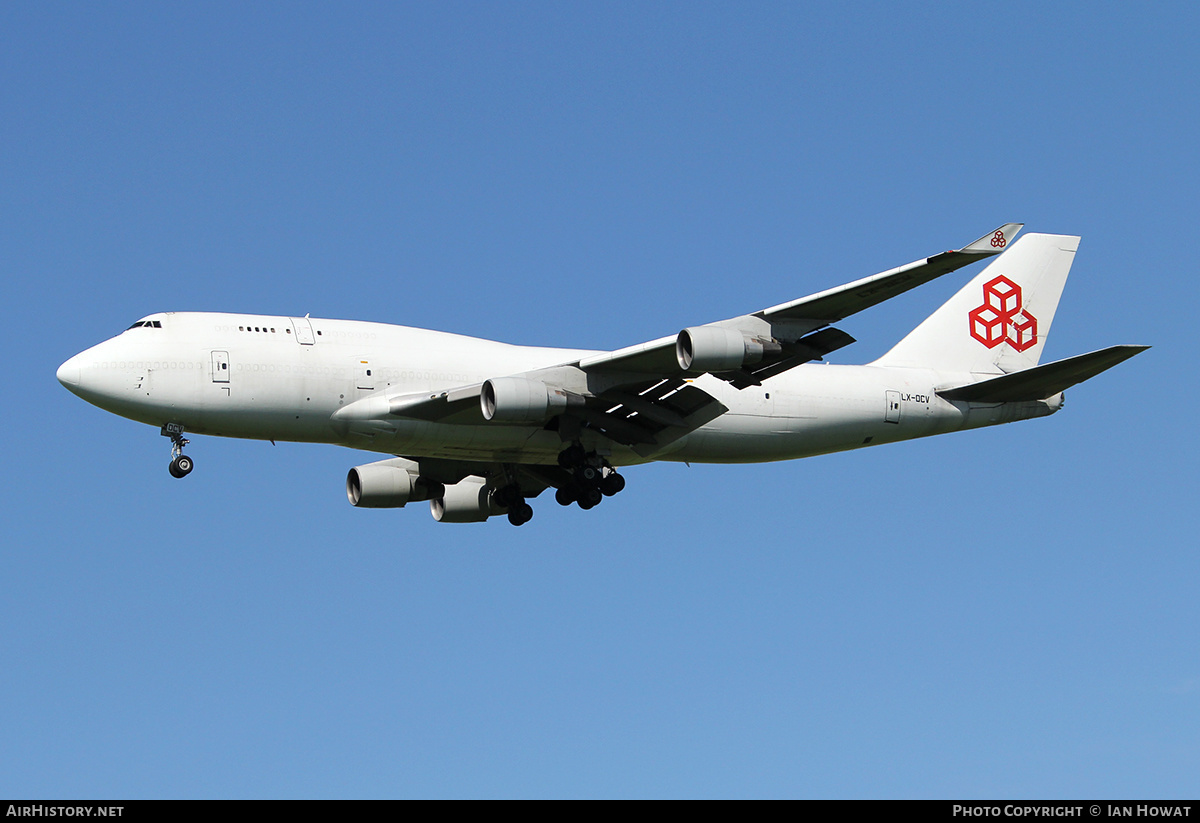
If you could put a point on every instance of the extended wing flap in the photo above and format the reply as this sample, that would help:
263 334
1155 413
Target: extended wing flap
1043 381
649 416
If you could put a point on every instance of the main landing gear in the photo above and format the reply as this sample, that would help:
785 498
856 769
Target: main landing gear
592 478
181 464
519 512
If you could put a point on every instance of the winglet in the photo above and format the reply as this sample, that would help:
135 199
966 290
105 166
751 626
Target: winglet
995 241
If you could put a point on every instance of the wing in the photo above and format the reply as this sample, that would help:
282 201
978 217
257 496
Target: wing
790 322
642 396
646 414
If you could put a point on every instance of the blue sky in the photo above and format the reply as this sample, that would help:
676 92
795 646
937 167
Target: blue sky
1005 612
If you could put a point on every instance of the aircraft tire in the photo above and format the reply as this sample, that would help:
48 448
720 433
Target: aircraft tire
182 466
612 484
507 496
520 514
590 498
571 456
564 497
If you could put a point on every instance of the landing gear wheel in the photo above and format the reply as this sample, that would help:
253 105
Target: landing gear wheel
571 456
564 497
589 498
507 496
520 514
181 466
612 484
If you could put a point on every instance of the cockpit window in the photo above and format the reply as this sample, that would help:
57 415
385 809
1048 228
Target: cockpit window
135 325
149 324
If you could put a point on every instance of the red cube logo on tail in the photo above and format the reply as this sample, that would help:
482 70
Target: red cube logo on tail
1001 317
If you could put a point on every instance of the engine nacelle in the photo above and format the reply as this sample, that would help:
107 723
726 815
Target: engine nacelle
520 400
385 485
468 501
715 349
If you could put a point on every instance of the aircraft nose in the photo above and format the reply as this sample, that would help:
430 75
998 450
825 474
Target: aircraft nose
69 373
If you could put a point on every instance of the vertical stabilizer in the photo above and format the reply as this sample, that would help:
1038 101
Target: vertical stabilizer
998 322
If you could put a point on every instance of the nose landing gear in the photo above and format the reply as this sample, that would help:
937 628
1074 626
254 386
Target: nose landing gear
181 464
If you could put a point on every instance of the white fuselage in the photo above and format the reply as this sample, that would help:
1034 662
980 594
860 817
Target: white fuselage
284 378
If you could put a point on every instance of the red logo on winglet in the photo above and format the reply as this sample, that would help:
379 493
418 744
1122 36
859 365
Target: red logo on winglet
998 240
1001 319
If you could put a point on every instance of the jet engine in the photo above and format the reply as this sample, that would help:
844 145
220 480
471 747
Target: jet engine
715 349
468 501
385 485
521 400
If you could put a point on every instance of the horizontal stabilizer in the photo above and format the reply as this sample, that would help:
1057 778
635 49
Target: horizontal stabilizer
1044 381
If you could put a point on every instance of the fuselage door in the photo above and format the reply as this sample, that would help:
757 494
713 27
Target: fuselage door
365 377
220 366
892 414
304 332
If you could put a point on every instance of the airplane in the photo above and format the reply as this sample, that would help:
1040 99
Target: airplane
478 428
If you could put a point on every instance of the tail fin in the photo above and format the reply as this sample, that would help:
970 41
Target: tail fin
998 322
